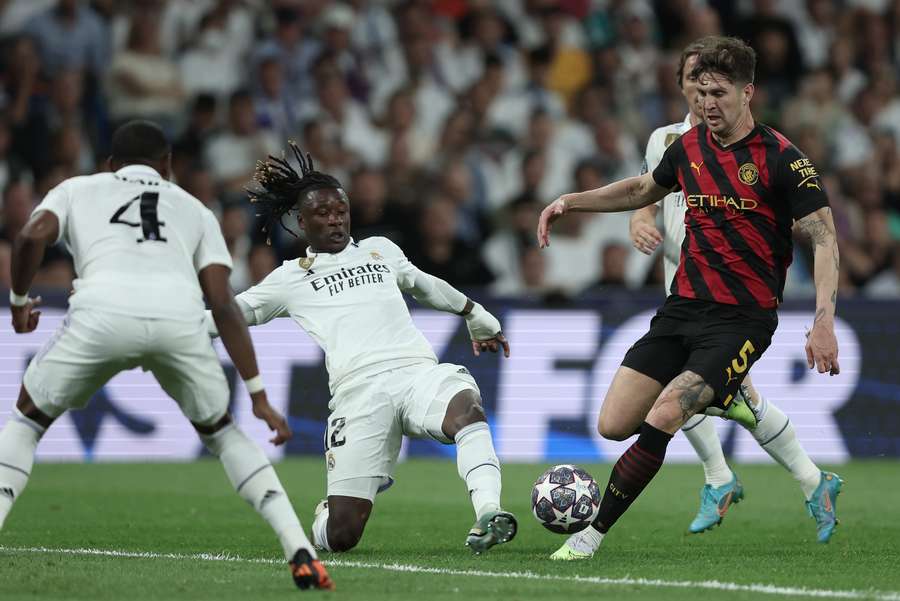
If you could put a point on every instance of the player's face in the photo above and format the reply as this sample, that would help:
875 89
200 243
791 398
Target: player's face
325 217
690 89
725 105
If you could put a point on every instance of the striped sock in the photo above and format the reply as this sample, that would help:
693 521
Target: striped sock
631 474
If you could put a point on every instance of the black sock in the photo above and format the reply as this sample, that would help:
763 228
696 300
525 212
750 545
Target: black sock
631 474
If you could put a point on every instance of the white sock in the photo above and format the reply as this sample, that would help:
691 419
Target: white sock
256 482
320 531
701 433
776 436
586 541
479 467
18 442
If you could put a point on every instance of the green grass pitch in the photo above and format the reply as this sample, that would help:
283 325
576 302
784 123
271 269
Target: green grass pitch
413 547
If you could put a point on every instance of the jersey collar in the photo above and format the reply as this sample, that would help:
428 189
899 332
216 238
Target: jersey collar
352 244
138 170
687 121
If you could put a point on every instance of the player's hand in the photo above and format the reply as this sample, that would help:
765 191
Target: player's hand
822 349
276 422
485 331
644 236
25 318
491 344
551 213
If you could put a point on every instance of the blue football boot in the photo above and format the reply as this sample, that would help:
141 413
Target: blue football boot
823 505
714 504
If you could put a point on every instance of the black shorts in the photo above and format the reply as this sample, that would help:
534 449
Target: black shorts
716 341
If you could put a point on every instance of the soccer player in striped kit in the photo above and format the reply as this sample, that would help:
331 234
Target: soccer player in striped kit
745 185
771 427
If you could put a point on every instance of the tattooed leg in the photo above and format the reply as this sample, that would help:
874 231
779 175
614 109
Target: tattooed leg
685 396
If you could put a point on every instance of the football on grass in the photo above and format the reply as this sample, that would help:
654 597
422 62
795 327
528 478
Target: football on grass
565 499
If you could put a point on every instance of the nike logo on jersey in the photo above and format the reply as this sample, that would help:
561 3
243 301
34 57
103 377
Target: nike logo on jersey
696 166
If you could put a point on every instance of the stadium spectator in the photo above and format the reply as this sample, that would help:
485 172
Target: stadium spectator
232 154
71 36
441 252
143 83
488 107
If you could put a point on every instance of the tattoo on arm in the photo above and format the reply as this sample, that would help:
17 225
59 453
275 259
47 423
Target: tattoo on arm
820 313
819 232
634 195
694 395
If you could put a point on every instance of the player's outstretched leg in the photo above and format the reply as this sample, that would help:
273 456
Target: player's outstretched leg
254 479
464 422
722 487
777 437
18 442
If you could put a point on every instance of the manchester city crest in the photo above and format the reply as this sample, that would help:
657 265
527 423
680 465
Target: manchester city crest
748 173
306 262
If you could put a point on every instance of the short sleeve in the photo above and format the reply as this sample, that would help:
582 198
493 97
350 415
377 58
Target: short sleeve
798 182
59 203
211 249
396 259
266 299
666 173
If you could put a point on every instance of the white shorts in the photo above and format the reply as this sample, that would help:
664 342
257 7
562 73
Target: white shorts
90 347
370 416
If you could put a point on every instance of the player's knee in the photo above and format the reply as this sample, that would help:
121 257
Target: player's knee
345 536
471 414
464 410
610 430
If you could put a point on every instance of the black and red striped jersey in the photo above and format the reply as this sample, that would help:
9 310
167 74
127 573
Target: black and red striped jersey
741 203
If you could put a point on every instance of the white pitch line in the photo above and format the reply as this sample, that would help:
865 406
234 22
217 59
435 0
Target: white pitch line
766 589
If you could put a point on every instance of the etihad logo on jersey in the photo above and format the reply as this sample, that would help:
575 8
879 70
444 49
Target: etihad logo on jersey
350 277
707 202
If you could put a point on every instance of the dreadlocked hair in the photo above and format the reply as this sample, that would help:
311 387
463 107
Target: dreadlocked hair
280 187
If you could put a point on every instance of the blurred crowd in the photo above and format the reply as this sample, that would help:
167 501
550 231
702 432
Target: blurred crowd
450 123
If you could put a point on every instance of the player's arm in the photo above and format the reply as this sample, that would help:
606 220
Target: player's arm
232 328
624 195
435 293
821 345
249 315
41 231
484 328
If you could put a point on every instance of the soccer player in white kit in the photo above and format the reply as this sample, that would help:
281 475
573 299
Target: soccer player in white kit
384 377
773 430
146 253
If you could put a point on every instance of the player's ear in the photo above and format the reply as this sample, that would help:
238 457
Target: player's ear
748 92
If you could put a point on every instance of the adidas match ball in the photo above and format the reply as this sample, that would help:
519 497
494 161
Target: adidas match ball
565 499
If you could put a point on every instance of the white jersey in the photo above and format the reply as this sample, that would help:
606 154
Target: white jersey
673 204
138 242
350 303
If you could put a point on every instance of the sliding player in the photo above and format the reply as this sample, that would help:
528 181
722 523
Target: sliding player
384 377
